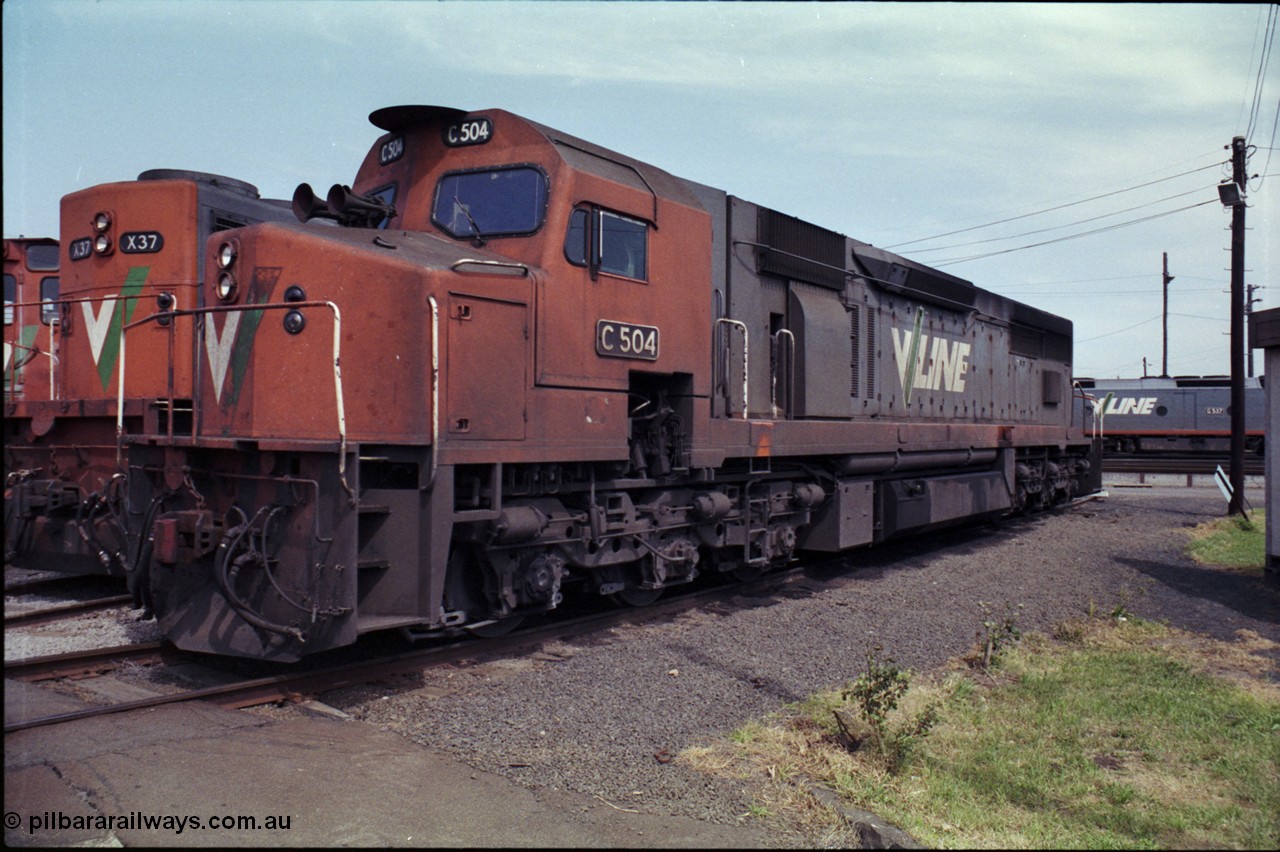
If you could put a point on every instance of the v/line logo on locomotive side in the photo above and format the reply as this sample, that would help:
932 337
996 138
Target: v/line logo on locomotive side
1131 405
936 363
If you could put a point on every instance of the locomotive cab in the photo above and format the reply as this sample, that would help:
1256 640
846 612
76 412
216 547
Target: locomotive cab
31 284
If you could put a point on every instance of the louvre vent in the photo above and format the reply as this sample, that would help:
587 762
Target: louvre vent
1039 343
222 222
855 360
871 354
793 248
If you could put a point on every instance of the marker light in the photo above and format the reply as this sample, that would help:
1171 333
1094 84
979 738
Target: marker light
225 289
226 255
164 303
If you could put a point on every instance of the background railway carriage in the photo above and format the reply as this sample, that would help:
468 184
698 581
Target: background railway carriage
525 366
132 248
30 317
1185 414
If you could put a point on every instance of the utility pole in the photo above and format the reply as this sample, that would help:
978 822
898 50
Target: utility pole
1238 177
1164 363
1248 317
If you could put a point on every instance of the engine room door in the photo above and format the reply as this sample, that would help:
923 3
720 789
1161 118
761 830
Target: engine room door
487 368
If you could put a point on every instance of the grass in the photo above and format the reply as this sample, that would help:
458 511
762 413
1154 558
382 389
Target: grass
1109 734
1231 542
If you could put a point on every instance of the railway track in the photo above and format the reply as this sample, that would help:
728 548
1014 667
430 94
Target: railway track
253 691
800 578
80 663
51 614
59 583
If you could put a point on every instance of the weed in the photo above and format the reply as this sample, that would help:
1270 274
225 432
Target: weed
878 690
877 693
997 632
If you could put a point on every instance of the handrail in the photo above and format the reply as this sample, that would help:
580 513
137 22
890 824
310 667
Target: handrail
60 302
791 373
222 309
1099 408
519 267
17 347
745 363
435 392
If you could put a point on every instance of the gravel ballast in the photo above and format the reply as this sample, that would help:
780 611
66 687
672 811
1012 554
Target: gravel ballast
604 717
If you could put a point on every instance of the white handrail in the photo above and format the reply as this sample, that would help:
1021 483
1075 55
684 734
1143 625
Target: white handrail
745 362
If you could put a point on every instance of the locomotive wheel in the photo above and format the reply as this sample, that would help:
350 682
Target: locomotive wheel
465 592
636 597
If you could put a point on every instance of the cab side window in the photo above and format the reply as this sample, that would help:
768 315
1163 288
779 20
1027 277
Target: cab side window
49 300
608 242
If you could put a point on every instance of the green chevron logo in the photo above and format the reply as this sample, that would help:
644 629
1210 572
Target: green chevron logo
106 325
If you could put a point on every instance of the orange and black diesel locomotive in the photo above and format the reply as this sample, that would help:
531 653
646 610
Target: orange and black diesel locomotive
505 365
30 317
133 248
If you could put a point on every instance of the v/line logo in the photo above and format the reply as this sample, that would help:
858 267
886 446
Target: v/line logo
936 363
105 324
1131 405
228 350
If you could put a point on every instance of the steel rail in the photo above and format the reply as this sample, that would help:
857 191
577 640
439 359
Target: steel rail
71 663
33 617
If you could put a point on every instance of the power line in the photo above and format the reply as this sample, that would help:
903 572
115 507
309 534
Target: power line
1116 226
1275 119
1094 293
1118 331
1253 53
1263 62
1066 225
1057 207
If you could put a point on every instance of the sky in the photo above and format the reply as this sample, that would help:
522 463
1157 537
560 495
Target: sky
1049 153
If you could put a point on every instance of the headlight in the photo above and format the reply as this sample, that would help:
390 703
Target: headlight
102 244
294 322
101 221
226 287
226 255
